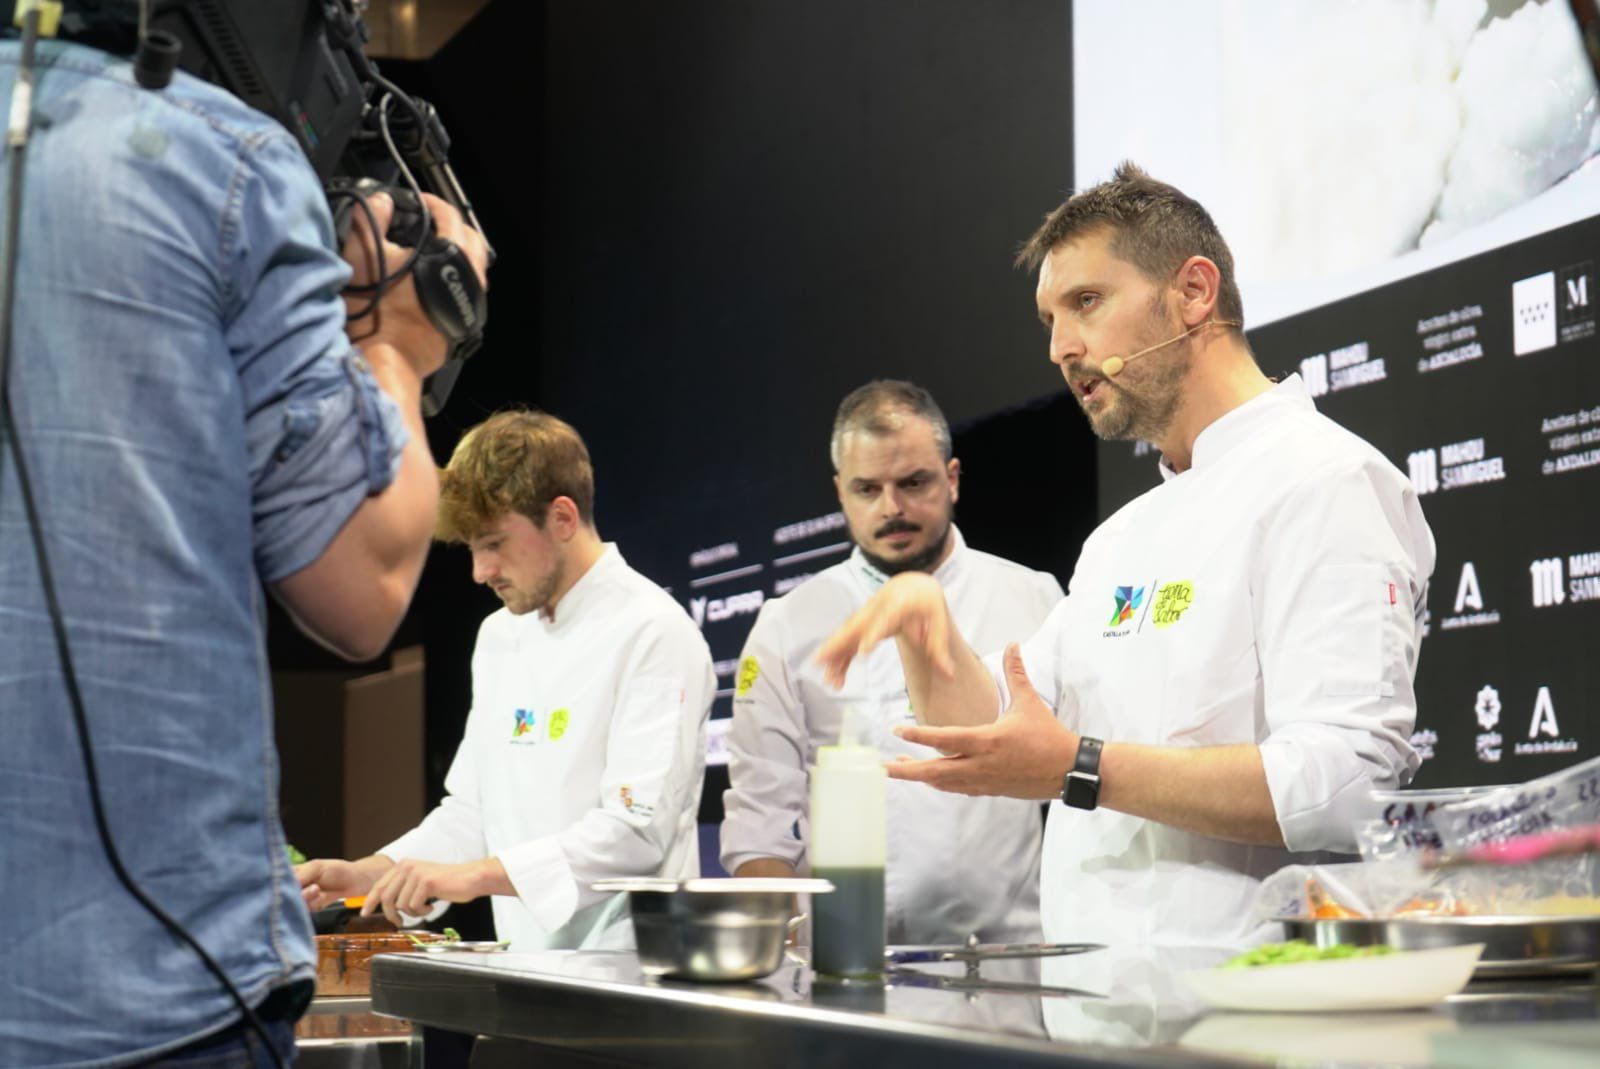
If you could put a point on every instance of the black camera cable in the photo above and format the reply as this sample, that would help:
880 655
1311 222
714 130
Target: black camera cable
16 145
384 280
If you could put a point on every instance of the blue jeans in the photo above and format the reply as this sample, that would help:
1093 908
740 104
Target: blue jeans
235 1047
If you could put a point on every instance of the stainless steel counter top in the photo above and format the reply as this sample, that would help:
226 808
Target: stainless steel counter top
1104 1009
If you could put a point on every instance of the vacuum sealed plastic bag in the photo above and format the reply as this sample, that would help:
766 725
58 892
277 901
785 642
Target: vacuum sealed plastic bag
1409 828
1566 799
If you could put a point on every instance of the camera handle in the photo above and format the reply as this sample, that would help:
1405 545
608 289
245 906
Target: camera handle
447 286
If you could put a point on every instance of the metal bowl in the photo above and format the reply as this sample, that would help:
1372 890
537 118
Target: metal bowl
712 930
1513 946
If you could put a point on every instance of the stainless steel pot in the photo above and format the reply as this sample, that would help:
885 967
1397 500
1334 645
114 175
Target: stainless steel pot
712 930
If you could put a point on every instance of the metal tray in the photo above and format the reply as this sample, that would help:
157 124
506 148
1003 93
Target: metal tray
1513 946
465 946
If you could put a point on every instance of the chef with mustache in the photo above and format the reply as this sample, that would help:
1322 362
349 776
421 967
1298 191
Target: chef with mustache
1231 672
956 866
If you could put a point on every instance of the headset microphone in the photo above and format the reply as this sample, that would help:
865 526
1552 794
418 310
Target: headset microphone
1112 366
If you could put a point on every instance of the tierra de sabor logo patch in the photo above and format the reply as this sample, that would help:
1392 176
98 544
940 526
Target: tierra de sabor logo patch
1469 609
1172 601
749 672
1131 609
1454 466
1557 580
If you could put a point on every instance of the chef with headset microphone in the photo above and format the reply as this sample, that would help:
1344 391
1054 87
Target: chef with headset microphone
1231 672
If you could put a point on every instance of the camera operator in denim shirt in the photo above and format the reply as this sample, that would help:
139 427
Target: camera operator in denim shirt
200 426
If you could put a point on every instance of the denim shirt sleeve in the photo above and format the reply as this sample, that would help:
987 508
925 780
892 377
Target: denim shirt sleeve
321 437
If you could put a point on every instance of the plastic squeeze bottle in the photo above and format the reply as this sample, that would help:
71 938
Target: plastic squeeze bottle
849 840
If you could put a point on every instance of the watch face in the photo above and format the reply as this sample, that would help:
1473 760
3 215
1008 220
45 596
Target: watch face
1083 790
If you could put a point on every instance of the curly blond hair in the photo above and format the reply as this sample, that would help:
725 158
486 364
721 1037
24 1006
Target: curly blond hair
514 461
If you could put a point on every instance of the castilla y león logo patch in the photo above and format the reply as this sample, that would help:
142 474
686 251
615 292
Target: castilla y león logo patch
1129 599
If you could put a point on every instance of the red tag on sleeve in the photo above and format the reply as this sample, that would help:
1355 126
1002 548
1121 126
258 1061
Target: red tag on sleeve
1391 594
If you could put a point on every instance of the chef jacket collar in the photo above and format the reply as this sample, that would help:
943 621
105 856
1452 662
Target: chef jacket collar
583 591
946 573
1234 427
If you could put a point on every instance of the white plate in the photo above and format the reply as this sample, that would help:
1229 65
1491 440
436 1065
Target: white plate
1386 1037
1402 980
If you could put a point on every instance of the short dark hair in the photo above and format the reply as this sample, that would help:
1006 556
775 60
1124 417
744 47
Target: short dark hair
1154 226
519 461
865 409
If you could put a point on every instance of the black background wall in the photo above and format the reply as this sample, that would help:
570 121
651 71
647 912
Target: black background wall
715 218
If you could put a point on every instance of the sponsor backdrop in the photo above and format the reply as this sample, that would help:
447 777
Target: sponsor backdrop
732 213
1480 379
750 212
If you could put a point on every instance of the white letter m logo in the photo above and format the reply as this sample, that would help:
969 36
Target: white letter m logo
1424 469
1547 582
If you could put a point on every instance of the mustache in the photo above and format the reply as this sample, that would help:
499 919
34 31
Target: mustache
896 527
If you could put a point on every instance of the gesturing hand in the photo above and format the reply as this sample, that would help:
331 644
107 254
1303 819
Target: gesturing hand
1023 754
911 606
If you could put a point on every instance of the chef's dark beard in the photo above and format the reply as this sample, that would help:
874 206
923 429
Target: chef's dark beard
920 562
1146 411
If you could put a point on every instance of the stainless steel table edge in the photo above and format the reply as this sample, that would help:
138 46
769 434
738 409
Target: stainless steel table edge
327 1042
780 1033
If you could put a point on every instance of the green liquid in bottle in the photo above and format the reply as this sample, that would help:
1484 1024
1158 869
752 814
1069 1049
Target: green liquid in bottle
847 927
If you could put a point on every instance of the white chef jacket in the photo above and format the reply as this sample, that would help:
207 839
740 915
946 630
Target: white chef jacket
956 865
583 757
1271 594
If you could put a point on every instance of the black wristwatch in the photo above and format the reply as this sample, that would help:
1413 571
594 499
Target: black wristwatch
1081 789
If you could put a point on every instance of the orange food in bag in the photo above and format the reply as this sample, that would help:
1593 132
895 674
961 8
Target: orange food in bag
1323 907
